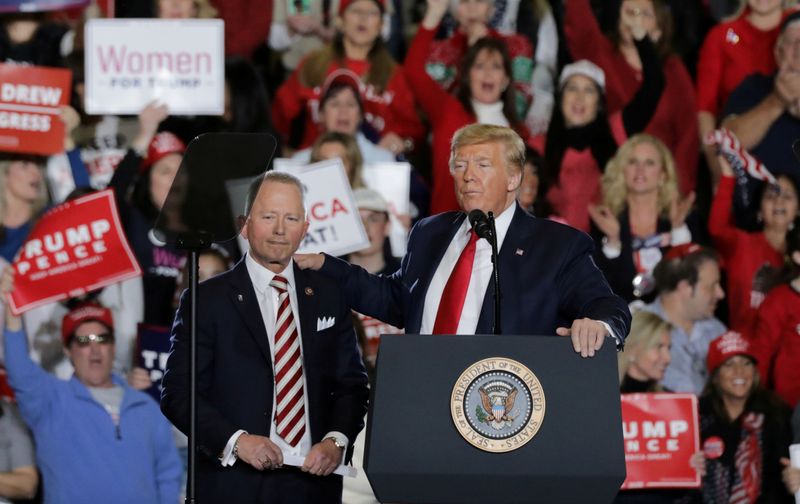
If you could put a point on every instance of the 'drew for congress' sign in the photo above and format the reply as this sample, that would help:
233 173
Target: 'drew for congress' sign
131 62
30 105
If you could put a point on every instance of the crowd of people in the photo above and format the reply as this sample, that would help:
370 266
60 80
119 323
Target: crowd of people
662 129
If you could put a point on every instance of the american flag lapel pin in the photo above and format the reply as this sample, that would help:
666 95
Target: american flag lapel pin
520 252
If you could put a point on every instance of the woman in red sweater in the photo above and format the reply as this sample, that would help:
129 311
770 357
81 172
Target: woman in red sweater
675 119
731 51
776 338
484 95
751 260
357 49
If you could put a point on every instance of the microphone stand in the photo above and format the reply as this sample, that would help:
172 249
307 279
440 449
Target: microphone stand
496 276
194 243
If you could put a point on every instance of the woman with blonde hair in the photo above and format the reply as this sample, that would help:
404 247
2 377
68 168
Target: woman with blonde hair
23 195
647 354
641 214
641 368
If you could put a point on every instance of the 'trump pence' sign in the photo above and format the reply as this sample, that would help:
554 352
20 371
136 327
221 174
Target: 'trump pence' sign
132 62
661 435
335 224
75 247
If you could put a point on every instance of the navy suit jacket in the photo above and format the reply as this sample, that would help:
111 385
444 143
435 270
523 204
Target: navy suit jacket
235 379
547 276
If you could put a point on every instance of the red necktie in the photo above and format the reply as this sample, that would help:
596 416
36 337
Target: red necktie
455 291
290 415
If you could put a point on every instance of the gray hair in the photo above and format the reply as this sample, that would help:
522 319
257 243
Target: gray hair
272 176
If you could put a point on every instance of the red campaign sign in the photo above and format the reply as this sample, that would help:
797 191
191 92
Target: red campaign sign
75 247
661 434
30 105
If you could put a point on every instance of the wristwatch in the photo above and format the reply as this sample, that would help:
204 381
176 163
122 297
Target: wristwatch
336 442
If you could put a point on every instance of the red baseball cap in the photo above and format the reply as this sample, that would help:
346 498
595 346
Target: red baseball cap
87 312
726 346
681 251
162 145
344 4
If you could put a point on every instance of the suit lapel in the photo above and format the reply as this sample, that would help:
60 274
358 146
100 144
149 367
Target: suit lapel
439 241
307 302
243 297
510 257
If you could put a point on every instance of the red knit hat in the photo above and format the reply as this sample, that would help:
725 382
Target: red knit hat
344 4
726 346
162 145
87 312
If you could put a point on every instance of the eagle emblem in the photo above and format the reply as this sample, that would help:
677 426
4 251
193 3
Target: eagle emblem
497 400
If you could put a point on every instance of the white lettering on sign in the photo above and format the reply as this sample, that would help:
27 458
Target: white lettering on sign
30 95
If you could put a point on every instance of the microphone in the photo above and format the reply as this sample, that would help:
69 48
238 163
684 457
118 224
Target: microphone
480 224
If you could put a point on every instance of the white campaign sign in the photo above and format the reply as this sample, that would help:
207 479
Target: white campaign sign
131 62
335 225
393 182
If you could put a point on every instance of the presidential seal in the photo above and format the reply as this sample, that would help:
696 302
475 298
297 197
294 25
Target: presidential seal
497 405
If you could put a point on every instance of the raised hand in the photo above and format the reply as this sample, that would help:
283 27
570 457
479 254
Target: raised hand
434 13
606 222
679 209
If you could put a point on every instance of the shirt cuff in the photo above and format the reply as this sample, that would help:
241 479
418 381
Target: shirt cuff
610 251
611 333
340 438
680 235
228 459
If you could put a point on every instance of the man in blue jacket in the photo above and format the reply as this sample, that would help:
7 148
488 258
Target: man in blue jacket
97 439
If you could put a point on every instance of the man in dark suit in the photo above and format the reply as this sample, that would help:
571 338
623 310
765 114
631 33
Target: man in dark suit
549 282
279 373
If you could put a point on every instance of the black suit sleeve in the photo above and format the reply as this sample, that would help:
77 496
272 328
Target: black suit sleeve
213 429
584 292
643 105
350 389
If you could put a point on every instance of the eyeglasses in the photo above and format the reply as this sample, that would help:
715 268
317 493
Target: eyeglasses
86 340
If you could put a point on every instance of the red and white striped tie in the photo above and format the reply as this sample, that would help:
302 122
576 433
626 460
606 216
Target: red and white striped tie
289 405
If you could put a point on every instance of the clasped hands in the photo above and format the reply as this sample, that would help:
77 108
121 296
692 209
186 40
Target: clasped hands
262 454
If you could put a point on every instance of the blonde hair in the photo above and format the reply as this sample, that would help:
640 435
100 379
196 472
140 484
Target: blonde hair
205 10
615 192
350 145
487 133
646 331
38 204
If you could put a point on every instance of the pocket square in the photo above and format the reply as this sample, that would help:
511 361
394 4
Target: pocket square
325 322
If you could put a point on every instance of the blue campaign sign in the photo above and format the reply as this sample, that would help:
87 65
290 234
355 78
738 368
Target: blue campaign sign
152 350
39 5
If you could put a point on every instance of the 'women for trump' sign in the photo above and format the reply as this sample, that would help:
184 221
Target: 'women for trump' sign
131 62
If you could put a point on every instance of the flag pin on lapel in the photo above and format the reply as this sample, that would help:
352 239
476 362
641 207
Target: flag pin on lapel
309 291
520 252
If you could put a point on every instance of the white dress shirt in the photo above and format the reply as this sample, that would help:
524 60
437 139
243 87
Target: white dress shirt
478 282
267 297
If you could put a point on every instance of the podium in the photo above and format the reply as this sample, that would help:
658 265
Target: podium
430 389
